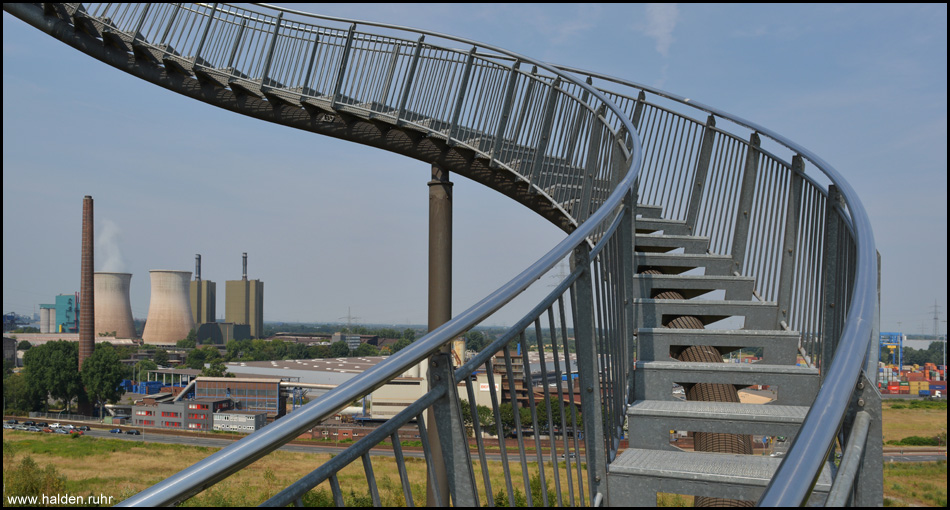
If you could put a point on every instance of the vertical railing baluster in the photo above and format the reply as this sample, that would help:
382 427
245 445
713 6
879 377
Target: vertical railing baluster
270 50
141 22
591 168
428 453
547 405
335 489
560 395
516 411
789 252
532 406
390 72
171 22
503 444
746 193
401 466
589 373
628 236
477 429
234 48
371 479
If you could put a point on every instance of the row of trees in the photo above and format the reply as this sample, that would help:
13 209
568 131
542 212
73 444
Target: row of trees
51 371
932 354
506 414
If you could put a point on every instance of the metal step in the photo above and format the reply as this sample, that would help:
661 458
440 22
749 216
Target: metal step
655 419
649 211
737 288
675 263
654 313
778 347
795 386
660 243
637 475
670 227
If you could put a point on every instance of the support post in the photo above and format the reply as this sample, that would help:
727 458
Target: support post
440 312
744 213
585 341
789 249
265 75
829 322
702 169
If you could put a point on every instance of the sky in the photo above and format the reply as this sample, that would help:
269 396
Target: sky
337 230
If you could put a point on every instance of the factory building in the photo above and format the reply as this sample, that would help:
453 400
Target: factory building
197 414
239 421
203 297
244 302
67 314
47 318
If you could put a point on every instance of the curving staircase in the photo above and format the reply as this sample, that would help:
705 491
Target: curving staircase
676 226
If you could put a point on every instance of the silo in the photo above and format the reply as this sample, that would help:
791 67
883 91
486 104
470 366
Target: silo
169 310
113 307
45 320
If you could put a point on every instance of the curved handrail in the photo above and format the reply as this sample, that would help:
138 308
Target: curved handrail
793 481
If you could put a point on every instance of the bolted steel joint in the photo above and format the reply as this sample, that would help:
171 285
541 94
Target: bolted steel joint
860 402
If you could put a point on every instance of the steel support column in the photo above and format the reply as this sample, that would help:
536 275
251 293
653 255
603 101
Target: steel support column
440 310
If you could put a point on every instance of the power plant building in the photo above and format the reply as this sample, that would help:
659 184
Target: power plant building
47 318
112 306
203 297
67 314
244 303
169 311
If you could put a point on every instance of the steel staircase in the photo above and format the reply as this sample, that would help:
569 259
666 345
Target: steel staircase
652 465
604 164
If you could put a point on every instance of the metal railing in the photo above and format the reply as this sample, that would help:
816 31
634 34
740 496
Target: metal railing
579 148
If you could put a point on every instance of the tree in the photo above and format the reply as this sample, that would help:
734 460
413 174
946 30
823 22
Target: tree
53 370
475 341
142 368
366 350
18 395
102 372
216 368
339 349
161 357
190 341
400 345
23 345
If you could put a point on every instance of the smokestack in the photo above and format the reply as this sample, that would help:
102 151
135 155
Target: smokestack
169 310
244 272
113 307
87 322
197 267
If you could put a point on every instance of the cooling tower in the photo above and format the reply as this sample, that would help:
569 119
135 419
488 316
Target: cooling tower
113 307
169 310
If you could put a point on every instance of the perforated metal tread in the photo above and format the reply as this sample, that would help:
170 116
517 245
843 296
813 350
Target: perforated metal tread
675 263
758 315
754 470
690 286
719 410
668 242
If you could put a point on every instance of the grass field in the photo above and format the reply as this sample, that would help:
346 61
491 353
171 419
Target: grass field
84 466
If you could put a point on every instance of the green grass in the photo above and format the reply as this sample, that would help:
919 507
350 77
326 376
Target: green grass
915 484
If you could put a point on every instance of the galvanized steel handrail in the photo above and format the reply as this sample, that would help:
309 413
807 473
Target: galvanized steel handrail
795 478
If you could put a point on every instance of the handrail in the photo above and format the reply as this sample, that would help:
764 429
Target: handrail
793 481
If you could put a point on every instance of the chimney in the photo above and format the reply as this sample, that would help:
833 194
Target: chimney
244 272
87 322
197 267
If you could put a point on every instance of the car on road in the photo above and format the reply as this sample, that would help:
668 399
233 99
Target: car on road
115 431
32 429
55 426
30 423
61 431
133 432
13 422
83 427
48 430
8 426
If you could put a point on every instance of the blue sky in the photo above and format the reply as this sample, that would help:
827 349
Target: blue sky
331 226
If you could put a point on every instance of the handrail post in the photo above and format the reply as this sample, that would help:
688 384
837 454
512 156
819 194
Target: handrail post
628 236
789 248
344 59
588 367
456 457
870 475
829 259
313 59
390 72
138 26
702 169
546 122
204 34
236 45
590 167
270 50
410 76
457 112
171 22
746 193
505 112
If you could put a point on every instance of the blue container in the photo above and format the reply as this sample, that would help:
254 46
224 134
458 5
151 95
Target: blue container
924 393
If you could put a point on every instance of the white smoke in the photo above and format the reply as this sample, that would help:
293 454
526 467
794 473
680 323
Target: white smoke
107 248
661 20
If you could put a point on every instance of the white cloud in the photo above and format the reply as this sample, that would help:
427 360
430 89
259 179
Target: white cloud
661 20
